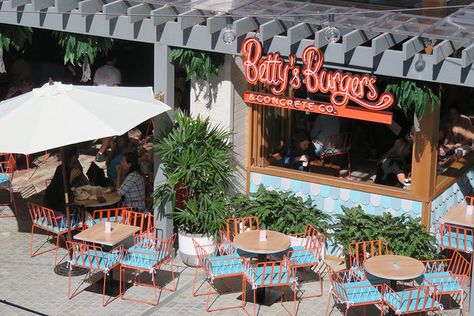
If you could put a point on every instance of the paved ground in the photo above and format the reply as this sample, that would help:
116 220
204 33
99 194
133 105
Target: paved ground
34 286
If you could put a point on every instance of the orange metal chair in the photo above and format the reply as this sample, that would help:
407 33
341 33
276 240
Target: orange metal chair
95 259
7 171
335 145
309 254
108 215
45 219
272 274
218 267
448 275
145 221
147 255
456 238
421 299
350 290
360 251
236 225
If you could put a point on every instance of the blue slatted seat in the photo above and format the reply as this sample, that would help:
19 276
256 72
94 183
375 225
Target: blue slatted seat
464 241
43 222
270 278
4 179
105 259
302 256
407 305
359 292
224 265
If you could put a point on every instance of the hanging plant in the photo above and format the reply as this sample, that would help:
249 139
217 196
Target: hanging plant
197 64
13 37
414 97
83 49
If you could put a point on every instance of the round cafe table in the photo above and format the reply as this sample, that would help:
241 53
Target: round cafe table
394 268
249 241
111 199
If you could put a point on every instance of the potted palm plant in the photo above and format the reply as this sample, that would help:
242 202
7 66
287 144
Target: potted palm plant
197 168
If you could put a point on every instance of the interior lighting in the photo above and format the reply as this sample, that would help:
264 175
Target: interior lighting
229 35
332 33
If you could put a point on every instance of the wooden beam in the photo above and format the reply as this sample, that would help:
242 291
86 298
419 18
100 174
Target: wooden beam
90 7
138 12
412 47
245 25
355 38
385 41
39 5
298 32
66 5
190 18
163 15
18 3
216 23
270 29
114 9
467 56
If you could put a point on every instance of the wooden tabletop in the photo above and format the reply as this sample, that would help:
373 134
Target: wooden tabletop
392 267
250 241
110 199
458 215
97 234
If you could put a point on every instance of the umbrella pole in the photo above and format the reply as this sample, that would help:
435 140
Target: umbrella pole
66 194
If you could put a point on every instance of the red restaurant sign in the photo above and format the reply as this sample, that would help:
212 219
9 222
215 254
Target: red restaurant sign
273 71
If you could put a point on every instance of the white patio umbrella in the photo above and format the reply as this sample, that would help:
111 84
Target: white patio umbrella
57 115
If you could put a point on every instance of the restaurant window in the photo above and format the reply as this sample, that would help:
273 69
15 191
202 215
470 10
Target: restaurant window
347 148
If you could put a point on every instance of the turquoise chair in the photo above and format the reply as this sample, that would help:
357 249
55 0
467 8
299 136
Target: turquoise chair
218 266
349 289
279 274
92 258
148 254
456 238
420 299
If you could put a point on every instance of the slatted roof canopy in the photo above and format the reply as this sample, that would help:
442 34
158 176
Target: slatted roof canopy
383 42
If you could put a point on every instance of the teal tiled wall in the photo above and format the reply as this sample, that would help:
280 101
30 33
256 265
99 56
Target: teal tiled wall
330 198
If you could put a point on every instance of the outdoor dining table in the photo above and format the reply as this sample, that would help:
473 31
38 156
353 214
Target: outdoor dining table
394 268
250 242
111 198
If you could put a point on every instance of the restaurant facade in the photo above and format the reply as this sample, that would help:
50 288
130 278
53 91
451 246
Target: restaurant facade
279 72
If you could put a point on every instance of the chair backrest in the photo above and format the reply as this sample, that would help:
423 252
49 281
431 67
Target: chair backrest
43 217
85 255
145 221
162 248
413 300
458 265
110 214
237 225
314 241
340 278
360 251
273 273
456 237
7 167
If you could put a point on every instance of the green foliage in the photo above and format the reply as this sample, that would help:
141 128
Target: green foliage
16 37
196 159
78 46
197 64
280 211
414 96
405 235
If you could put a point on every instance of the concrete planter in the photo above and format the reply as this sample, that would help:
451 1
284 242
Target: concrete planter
186 250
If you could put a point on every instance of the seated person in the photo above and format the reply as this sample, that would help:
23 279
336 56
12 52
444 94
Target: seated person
300 154
120 145
457 130
324 127
132 188
392 168
54 194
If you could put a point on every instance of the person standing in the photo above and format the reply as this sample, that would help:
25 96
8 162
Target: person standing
107 75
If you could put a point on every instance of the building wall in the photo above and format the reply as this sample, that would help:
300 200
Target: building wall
330 199
222 101
451 196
